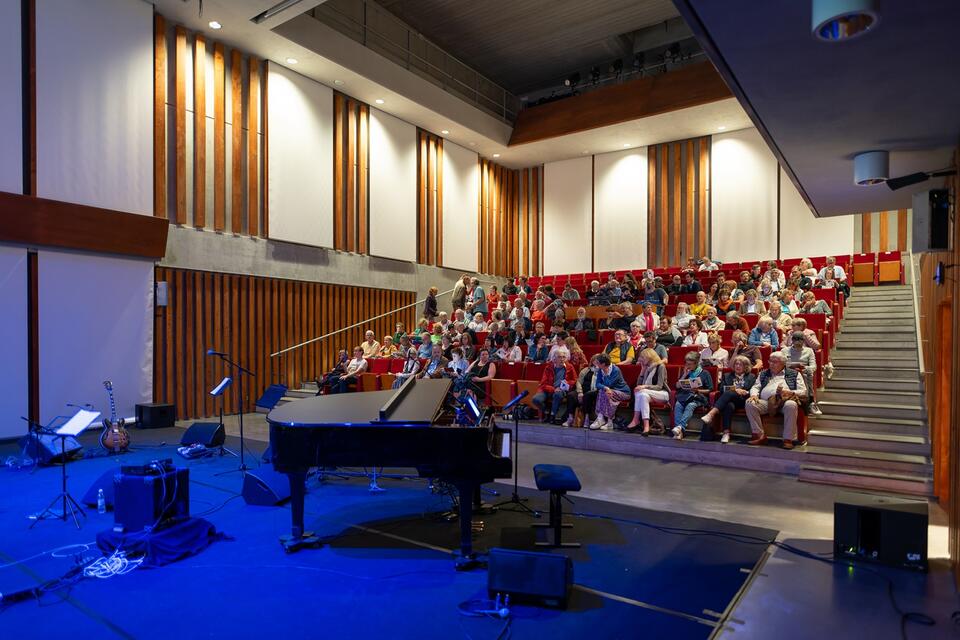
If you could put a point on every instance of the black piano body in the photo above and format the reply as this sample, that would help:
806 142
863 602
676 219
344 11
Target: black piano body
386 429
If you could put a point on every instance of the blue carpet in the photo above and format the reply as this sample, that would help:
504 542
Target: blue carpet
366 583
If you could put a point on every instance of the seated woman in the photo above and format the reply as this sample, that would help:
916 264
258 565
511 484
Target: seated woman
541 351
651 385
577 357
612 389
780 319
692 391
351 373
399 331
714 355
695 335
388 349
509 353
466 345
735 386
422 332
329 381
711 294
741 347
807 270
648 320
558 385
478 374
636 336
587 389
734 322
765 334
403 347
621 317
595 294
711 322
667 334
581 322
787 302
477 323
493 297
698 308
411 367
810 304
537 313
765 293
681 319
437 333
620 351
736 293
751 304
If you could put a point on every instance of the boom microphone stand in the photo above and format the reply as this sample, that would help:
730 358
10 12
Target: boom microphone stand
515 502
241 371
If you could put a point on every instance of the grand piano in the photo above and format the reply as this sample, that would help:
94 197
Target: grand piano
386 429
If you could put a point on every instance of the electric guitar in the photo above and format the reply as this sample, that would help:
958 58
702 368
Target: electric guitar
114 436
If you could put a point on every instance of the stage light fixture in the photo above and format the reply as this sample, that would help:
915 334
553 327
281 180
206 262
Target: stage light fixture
338 82
379 101
496 155
572 81
721 128
444 132
213 24
838 20
871 167
292 61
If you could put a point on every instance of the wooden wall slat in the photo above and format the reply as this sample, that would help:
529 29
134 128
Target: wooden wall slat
661 230
159 116
536 191
677 196
865 240
253 147
363 151
180 126
884 231
236 158
338 159
678 209
901 230
219 140
703 200
264 102
350 209
199 132
689 203
210 405
439 233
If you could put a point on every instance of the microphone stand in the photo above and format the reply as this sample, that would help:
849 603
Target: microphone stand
515 502
241 371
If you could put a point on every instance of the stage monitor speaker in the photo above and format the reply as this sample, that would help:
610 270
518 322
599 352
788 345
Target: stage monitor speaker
273 394
145 502
265 487
931 220
530 575
105 482
209 434
156 415
49 450
891 531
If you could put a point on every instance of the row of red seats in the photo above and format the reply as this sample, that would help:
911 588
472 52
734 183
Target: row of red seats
876 268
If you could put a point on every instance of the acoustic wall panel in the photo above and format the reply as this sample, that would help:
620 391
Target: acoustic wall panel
393 187
461 190
567 216
300 189
13 337
95 324
95 103
743 197
11 132
803 235
620 210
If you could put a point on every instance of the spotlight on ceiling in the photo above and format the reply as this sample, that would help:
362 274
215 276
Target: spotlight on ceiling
572 80
444 132
292 61
338 82
837 20
496 155
213 24
871 167
721 128
917 178
379 100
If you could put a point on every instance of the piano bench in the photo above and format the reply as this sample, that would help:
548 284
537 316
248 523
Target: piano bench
558 479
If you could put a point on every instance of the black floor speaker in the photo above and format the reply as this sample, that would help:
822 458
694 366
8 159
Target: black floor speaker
530 576
105 482
209 434
47 449
156 415
891 531
265 487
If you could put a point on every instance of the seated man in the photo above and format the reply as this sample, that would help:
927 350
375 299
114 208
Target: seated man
559 384
650 342
620 351
370 347
540 352
802 358
569 293
675 287
436 365
581 322
351 374
690 283
777 390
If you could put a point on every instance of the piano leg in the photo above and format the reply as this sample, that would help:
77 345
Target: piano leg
298 538
467 559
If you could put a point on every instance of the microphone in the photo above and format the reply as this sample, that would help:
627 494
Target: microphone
211 352
510 404
85 405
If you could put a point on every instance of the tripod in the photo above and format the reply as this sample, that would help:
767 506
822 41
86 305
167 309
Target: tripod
515 502
241 371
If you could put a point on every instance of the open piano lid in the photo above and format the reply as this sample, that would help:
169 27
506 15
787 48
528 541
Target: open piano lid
415 404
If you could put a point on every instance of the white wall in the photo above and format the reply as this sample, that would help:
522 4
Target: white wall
95 103
11 121
567 203
95 324
300 121
13 337
620 209
803 235
393 187
743 197
461 195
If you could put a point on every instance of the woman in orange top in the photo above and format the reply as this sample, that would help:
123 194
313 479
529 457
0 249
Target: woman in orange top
538 314
724 302
493 298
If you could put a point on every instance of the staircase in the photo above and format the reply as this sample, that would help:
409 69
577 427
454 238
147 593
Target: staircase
873 431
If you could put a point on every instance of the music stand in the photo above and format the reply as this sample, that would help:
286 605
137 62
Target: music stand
217 392
515 502
73 428
241 371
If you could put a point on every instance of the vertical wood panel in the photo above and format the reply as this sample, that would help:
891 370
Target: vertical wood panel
662 230
219 141
652 204
703 198
525 222
253 147
338 155
350 208
200 132
536 192
264 102
363 151
884 231
690 200
439 234
901 230
180 127
159 116
675 214
865 239
236 173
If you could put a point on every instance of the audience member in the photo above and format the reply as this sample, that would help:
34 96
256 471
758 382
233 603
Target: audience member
651 385
620 351
351 374
695 335
493 298
621 317
735 388
699 308
765 334
509 353
411 367
587 389
742 347
801 358
692 391
667 334
714 355
711 322
477 323
780 319
654 294
430 304
611 391
810 304
650 342
388 349
724 302
777 281
581 322
675 287
682 318
559 385
540 352
776 390
706 264
734 322
399 331
370 347
690 283
648 320
751 304
577 357
569 293
458 298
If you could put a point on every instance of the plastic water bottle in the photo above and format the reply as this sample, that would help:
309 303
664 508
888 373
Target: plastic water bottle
101 502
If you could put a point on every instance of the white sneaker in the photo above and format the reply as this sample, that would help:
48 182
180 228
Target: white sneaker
828 368
569 422
707 418
725 438
815 410
677 433
596 424
607 425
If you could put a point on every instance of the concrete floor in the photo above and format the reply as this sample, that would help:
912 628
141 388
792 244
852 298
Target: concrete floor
833 601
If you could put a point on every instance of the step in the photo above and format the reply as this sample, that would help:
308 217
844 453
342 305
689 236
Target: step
892 302
873 409
894 462
880 396
863 342
863 441
901 426
876 358
871 289
840 383
866 369
884 481
300 393
892 327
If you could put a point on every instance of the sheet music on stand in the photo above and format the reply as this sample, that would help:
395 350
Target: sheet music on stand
220 388
78 423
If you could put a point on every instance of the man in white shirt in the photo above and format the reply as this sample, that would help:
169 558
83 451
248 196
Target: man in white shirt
838 272
777 390
354 368
370 348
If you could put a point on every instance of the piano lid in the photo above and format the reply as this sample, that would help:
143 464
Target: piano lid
415 404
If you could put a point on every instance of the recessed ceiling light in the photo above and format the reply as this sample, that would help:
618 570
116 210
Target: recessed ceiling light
379 100
292 61
720 128
838 20
496 155
338 82
473 144
626 144
444 132
585 152
213 24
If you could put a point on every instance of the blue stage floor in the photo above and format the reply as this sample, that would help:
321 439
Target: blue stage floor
387 576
